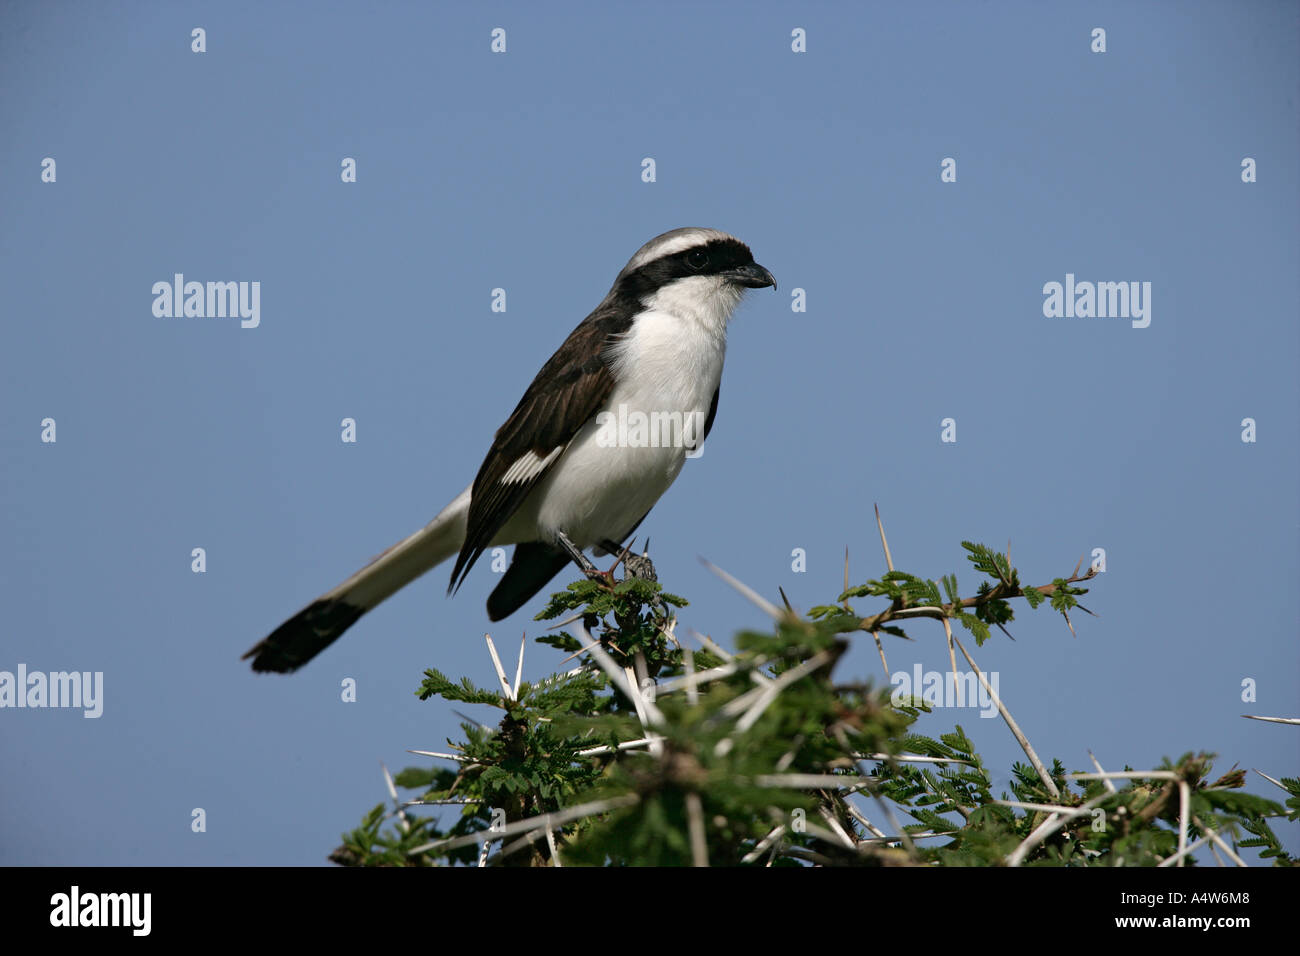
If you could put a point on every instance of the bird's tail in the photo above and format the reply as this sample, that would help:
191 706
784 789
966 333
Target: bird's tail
322 622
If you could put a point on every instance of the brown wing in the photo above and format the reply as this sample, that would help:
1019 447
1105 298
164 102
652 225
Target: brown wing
569 390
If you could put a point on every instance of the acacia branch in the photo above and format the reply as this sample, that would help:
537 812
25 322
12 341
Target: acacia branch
999 592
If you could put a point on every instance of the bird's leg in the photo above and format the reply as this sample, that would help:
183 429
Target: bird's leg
637 565
575 553
646 569
620 552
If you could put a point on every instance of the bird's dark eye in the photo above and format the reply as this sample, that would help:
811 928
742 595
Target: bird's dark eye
697 259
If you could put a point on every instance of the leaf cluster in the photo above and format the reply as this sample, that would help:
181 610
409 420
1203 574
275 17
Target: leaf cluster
766 757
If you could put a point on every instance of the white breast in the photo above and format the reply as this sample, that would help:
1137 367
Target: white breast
667 366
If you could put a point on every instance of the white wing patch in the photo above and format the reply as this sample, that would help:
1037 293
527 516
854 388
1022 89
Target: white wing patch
528 465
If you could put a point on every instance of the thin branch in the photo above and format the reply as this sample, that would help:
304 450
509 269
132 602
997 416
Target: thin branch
773 835
1218 841
580 651
1179 857
862 818
695 821
939 611
434 753
1050 826
519 670
1126 775
957 686
836 826
919 835
812 781
1036 807
648 713
903 835
692 688
538 823
762 603
710 645
567 621
889 561
501 671
626 745
693 679
1184 807
555 851
392 792
1276 783
881 648
477 723
1109 786
1011 723
908 758
771 691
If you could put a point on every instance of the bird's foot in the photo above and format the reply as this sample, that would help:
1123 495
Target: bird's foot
635 565
580 559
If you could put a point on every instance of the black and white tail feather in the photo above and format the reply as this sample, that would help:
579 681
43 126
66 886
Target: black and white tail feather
552 477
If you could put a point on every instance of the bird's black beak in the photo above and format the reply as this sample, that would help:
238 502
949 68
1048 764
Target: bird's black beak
752 276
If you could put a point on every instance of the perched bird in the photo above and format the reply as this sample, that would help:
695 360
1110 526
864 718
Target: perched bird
564 472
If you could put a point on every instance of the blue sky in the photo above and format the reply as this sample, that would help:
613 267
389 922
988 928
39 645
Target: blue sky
522 170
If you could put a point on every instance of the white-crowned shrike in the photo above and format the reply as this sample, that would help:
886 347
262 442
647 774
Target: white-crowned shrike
560 477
